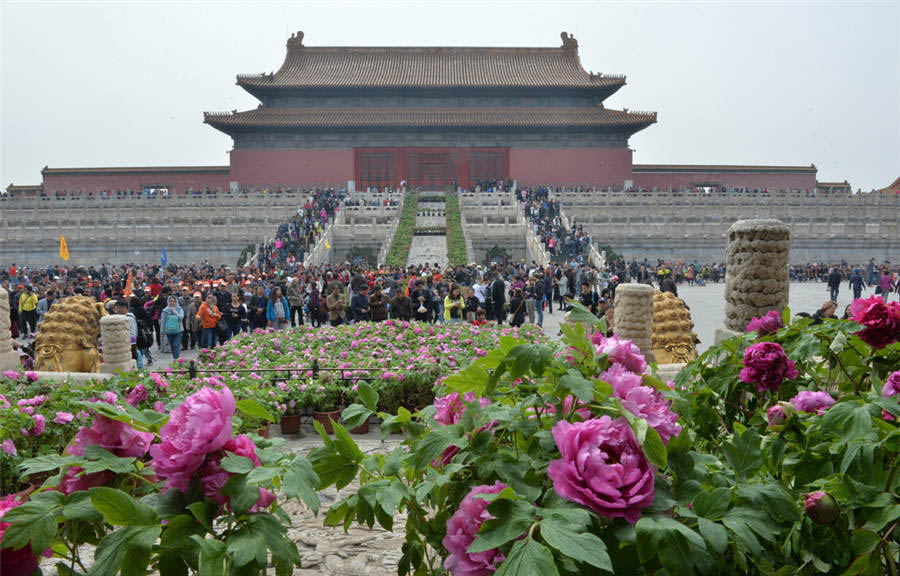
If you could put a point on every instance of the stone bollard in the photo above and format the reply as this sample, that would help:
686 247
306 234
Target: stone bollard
756 271
633 316
9 358
115 336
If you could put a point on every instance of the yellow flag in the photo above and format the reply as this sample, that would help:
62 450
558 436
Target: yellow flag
63 249
327 245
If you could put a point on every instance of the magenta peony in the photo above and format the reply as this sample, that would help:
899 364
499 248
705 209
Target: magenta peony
39 424
9 447
462 528
137 395
75 481
642 401
767 324
117 437
808 401
821 507
620 351
602 467
880 320
175 466
767 366
63 418
450 408
892 386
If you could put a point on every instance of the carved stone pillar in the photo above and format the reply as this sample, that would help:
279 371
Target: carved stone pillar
115 337
9 358
756 280
633 316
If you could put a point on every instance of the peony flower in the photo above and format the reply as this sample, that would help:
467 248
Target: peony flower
642 401
821 507
880 320
15 562
213 477
620 351
31 376
75 481
767 366
892 386
462 529
63 418
11 374
117 437
9 447
808 401
776 416
39 424
450 408
137 395
771 322
603 467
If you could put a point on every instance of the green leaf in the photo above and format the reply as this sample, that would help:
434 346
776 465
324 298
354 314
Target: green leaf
45 464
212 556
33 521
251 407
850 419
881 517
261 474
201 511
581 387
528 558
743 452
839 343
125 551
772 498
79 507
749 523
714 534
712 504
355 414
275 537
236 464
654 448
368 396
120 509
864 541
243 494
345 444
247 546
582 315
580 546
301 481
433 445
511 519
669 540
102 459
333 468
523 358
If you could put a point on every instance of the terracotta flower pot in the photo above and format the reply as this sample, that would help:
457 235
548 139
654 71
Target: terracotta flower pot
325 418
263 432
290 424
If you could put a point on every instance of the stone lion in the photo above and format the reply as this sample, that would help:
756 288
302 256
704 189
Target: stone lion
67 338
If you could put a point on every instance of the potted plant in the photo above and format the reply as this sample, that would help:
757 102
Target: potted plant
292 402
327 401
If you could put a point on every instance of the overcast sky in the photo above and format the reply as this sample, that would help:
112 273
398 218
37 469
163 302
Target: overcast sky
125 84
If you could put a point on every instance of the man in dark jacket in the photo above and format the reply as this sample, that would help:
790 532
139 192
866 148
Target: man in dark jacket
498 298
359 304
668 285
834 283
857 283
400 306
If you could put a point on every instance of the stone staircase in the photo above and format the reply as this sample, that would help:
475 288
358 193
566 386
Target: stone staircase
429 248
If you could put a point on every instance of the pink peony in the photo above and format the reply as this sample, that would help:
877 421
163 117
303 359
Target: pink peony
9 447
767 366
642 401
39 424
880 320
620 351
11 374
450 408
21 562
821 507
63 418
767 324
892 386
117 437
808 401
31 376
603 467
776 416
462 529
137 395
75 481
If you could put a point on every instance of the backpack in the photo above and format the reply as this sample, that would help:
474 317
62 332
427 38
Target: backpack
173 324
144 335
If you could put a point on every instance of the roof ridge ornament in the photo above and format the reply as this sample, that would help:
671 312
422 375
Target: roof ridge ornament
295 42
569 43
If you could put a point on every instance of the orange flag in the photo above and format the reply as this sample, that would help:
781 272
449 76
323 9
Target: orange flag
63 249
129 285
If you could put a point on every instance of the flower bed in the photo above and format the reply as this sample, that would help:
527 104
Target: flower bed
456 240
399 252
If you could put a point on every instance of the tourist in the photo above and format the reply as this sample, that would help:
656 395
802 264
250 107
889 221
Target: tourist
480 318
259 304
589 298
498 298
172 321
378 303
144 339
826 311
28 302
834 283
421 299
400 306
44 304
209 316
235 313
313 303
277 310
336 305
857 284
191 323
472 305
454 305
517 308
295 297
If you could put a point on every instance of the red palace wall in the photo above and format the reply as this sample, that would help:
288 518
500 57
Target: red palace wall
578 166
252 167
98 180
751 180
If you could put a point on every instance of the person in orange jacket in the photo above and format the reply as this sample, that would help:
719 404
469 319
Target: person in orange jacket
209 316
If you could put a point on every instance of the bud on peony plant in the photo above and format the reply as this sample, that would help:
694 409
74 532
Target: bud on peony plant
778 414
821 507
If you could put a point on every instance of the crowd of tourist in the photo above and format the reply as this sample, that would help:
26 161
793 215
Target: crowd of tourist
543 214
